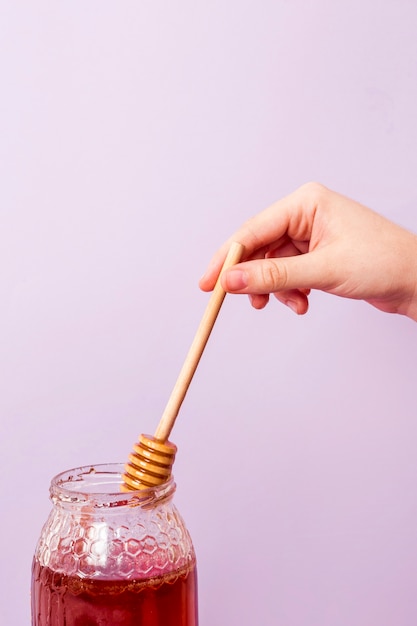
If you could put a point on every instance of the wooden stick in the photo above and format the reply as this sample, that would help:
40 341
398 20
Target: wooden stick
197 347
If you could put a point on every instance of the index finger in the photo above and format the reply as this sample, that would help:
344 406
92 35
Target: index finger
292 217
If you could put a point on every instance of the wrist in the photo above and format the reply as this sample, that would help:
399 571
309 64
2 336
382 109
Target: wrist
410 301
411 310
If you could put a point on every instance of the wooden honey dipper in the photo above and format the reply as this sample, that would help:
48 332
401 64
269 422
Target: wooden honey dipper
151 461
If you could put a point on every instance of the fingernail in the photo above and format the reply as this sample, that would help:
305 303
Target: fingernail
236 280
292 305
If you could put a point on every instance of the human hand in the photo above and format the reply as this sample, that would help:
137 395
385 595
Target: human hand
318 239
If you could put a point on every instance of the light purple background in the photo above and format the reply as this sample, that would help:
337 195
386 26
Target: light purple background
135 137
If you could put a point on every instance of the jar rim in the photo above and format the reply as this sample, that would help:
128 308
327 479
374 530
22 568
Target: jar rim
98 485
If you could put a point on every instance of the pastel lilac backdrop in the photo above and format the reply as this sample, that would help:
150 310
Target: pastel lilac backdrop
135 136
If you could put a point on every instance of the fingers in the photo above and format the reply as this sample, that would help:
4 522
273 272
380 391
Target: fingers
295 299
209 279
259 300
288 219
272 275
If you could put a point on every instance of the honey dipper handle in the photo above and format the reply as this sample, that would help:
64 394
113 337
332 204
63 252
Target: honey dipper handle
197 347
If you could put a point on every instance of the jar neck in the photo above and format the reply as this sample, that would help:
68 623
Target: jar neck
99 487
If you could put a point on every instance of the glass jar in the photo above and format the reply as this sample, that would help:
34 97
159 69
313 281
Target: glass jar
110 558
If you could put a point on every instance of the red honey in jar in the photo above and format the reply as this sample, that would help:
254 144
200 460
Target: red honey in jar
111 558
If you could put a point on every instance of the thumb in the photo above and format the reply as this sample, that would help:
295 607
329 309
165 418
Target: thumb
305 271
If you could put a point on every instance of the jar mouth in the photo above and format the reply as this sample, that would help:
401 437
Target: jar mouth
100 486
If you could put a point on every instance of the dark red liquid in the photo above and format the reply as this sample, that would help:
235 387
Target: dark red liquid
61 600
